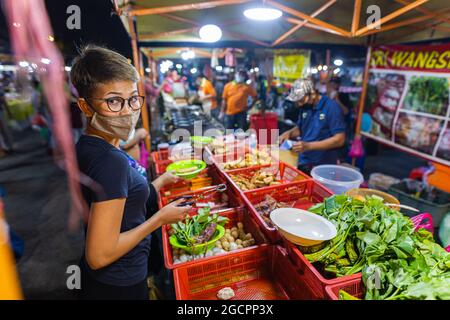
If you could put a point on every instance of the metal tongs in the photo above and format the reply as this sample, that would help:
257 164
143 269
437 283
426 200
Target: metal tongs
402 206
194 198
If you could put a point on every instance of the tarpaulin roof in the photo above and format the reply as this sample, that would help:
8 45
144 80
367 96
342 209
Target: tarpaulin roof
321 21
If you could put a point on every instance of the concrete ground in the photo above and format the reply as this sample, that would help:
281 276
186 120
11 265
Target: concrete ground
37 206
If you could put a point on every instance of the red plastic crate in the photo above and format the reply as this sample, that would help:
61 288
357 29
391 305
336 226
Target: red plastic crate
161 159
310 274
285 173
184 186
263 124
160 166
353 287
160 155
221 159
234 200
262 273
235 216
231 146
302 194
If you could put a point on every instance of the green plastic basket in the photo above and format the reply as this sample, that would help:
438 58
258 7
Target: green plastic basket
179 168
201 141
200 248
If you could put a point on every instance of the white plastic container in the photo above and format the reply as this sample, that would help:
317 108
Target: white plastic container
338 179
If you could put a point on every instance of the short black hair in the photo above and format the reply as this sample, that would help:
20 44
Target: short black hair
98 65
244 73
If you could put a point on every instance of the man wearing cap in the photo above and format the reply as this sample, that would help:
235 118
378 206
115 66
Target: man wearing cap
320 129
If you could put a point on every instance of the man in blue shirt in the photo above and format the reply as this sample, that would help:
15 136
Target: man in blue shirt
320 129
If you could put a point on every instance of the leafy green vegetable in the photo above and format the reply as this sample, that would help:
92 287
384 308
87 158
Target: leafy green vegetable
396 262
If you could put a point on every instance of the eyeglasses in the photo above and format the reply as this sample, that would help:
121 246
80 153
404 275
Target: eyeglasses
116 104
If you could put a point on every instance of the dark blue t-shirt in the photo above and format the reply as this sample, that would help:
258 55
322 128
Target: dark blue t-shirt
109 168
319 123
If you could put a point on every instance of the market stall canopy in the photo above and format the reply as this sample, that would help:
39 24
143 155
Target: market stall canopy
319 21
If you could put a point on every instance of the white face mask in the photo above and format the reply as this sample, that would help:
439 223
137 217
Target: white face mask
238 79
118 127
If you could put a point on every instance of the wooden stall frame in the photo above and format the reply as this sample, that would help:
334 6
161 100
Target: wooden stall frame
141 88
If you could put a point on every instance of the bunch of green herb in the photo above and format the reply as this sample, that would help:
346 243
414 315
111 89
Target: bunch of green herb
199 228
381 242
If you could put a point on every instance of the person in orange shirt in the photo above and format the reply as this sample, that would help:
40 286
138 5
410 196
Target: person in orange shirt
207 95
235 99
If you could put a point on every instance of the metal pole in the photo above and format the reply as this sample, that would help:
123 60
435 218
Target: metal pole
362 98
137 64
363 93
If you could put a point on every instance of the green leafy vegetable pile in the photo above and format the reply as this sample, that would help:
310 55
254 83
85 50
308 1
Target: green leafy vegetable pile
199 228
396 262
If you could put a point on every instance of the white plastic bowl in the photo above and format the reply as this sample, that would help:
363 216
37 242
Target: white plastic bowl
338 179
302 227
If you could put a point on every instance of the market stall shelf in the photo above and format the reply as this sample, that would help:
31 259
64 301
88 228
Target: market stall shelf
263 273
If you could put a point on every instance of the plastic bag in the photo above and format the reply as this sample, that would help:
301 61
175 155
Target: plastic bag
356 149
444 231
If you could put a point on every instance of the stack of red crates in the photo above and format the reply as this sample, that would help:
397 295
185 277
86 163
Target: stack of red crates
160 161
273 268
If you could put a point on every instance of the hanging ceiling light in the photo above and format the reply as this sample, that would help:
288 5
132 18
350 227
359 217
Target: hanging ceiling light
165 66
338 62
186 55
23 64
263 14
210 33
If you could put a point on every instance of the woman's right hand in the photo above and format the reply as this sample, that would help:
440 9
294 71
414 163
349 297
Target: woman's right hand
171 213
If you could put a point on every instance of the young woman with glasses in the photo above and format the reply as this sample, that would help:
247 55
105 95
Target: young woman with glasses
115 260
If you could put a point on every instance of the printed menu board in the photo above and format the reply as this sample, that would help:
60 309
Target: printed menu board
408 99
